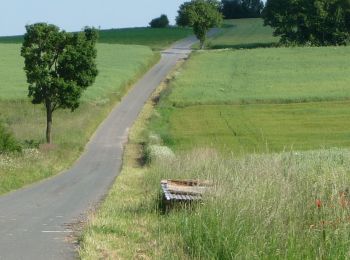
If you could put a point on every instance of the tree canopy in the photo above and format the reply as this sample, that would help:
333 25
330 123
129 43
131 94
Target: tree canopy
309 22
201 15
59 66
234 9
160 22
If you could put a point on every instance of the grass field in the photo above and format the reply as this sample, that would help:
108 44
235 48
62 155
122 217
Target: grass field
244 100
156 38
264 76
256 128
243 33
119 66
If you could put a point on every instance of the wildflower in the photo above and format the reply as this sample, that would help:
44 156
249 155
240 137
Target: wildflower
318 203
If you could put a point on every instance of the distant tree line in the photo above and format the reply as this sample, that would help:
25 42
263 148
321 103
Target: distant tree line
235 9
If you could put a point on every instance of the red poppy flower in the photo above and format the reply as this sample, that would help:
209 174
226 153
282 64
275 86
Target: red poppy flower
318 203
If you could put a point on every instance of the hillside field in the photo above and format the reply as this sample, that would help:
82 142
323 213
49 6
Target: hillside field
243 33
156 38
207 103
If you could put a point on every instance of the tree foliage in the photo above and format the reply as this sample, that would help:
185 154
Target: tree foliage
160 22
234 9
59 66
309 22
201 15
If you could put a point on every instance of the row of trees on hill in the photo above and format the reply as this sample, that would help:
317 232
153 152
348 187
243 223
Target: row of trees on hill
296 22
234 9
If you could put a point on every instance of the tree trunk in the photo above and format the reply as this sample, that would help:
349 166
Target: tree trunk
202 43
48 122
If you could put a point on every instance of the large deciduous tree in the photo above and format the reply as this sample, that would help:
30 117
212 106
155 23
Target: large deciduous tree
309 22
59 66
201 15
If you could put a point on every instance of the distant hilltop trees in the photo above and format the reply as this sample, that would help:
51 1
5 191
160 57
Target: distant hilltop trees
235 9
160 22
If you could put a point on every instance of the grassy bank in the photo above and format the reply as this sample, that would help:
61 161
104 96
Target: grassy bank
119 66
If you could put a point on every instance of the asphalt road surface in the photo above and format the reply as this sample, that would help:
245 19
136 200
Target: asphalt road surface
35 222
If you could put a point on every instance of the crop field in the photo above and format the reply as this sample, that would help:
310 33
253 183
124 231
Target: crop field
119 66
258 101
113 60
156 38
243 33
258 128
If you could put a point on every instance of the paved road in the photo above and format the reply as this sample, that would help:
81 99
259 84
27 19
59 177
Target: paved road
34 221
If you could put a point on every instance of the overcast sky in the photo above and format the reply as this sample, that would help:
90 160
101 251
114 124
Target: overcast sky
72 15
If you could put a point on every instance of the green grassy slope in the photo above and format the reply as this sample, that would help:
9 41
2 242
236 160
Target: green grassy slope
156 38
243 33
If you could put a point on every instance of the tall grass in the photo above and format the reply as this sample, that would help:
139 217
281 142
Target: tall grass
278 206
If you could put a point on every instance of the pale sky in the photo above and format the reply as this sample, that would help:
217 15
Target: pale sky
72 15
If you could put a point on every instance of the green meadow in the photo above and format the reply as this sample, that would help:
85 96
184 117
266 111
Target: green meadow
268 75
243 33
258 100
258 128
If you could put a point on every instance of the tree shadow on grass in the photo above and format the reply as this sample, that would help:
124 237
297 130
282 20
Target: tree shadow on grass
244 46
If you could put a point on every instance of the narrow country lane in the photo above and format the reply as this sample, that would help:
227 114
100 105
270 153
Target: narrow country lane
34 221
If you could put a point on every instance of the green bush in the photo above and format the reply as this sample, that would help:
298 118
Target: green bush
8 143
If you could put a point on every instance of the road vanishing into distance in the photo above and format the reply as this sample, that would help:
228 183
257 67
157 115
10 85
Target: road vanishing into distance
36 221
